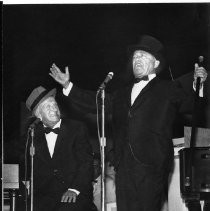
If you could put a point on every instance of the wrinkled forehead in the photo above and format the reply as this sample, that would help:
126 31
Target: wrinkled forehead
49 100
141 52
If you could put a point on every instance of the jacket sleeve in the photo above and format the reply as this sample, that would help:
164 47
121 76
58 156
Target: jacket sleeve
86 101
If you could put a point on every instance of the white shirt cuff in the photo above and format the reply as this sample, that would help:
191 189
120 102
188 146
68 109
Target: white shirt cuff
68 89
76 191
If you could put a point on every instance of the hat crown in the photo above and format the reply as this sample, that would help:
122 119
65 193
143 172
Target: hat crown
149 43
37 96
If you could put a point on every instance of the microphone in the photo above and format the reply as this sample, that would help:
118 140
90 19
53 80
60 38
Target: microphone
198 81
34 123
107 79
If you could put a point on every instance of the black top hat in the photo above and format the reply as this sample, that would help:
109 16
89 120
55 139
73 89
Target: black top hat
37 96
151 45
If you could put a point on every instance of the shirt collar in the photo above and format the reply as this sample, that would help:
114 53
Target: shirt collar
151 76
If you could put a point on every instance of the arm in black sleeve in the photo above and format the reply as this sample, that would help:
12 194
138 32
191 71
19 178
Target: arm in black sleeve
85 100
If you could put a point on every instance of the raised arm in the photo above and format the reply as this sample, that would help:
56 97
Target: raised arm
83 101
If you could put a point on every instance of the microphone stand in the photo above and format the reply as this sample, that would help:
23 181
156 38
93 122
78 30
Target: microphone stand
102 145
32 153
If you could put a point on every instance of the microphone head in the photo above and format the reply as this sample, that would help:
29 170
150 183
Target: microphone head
200 59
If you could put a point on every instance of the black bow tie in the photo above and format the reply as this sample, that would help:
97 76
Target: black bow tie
144 78
48 130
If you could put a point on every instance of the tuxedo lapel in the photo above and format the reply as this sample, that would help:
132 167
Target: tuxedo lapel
128 95
41 148
60 139
144 91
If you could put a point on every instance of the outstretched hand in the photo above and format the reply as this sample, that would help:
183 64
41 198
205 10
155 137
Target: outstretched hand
60 77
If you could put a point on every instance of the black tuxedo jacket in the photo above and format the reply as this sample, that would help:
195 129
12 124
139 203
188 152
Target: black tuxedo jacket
146 126
71 165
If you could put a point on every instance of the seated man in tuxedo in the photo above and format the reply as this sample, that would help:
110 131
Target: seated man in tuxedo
63 163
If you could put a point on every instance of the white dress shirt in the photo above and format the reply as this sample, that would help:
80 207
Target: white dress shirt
51 139
137 87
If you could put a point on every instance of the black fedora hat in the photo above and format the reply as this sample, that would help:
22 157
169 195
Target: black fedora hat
151 45
37 96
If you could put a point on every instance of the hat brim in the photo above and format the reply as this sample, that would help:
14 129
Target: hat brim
51 93
133 48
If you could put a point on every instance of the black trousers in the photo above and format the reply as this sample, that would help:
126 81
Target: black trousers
138 186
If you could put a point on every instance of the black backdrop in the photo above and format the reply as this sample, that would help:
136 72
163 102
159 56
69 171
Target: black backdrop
91 39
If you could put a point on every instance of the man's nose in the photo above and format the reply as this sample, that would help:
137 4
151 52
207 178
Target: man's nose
138 59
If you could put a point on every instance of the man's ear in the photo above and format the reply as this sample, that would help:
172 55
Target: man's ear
157 63
37 114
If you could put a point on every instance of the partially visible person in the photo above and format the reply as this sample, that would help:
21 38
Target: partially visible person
202 121
110 195
142 116
203 110
63 161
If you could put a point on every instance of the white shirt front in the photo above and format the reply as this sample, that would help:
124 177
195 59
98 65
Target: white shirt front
51 139
137 87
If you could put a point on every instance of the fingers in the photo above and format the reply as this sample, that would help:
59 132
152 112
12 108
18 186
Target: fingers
64 198
52 75
196 65
200 72
59 76
55 68
69 197
74 199
67 70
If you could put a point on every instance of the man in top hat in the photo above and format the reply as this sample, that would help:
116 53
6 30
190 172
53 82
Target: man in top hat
63 164
142 116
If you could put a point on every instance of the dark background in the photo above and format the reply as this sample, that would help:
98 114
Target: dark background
92 40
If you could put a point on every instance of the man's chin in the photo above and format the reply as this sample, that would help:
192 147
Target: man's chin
55 119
